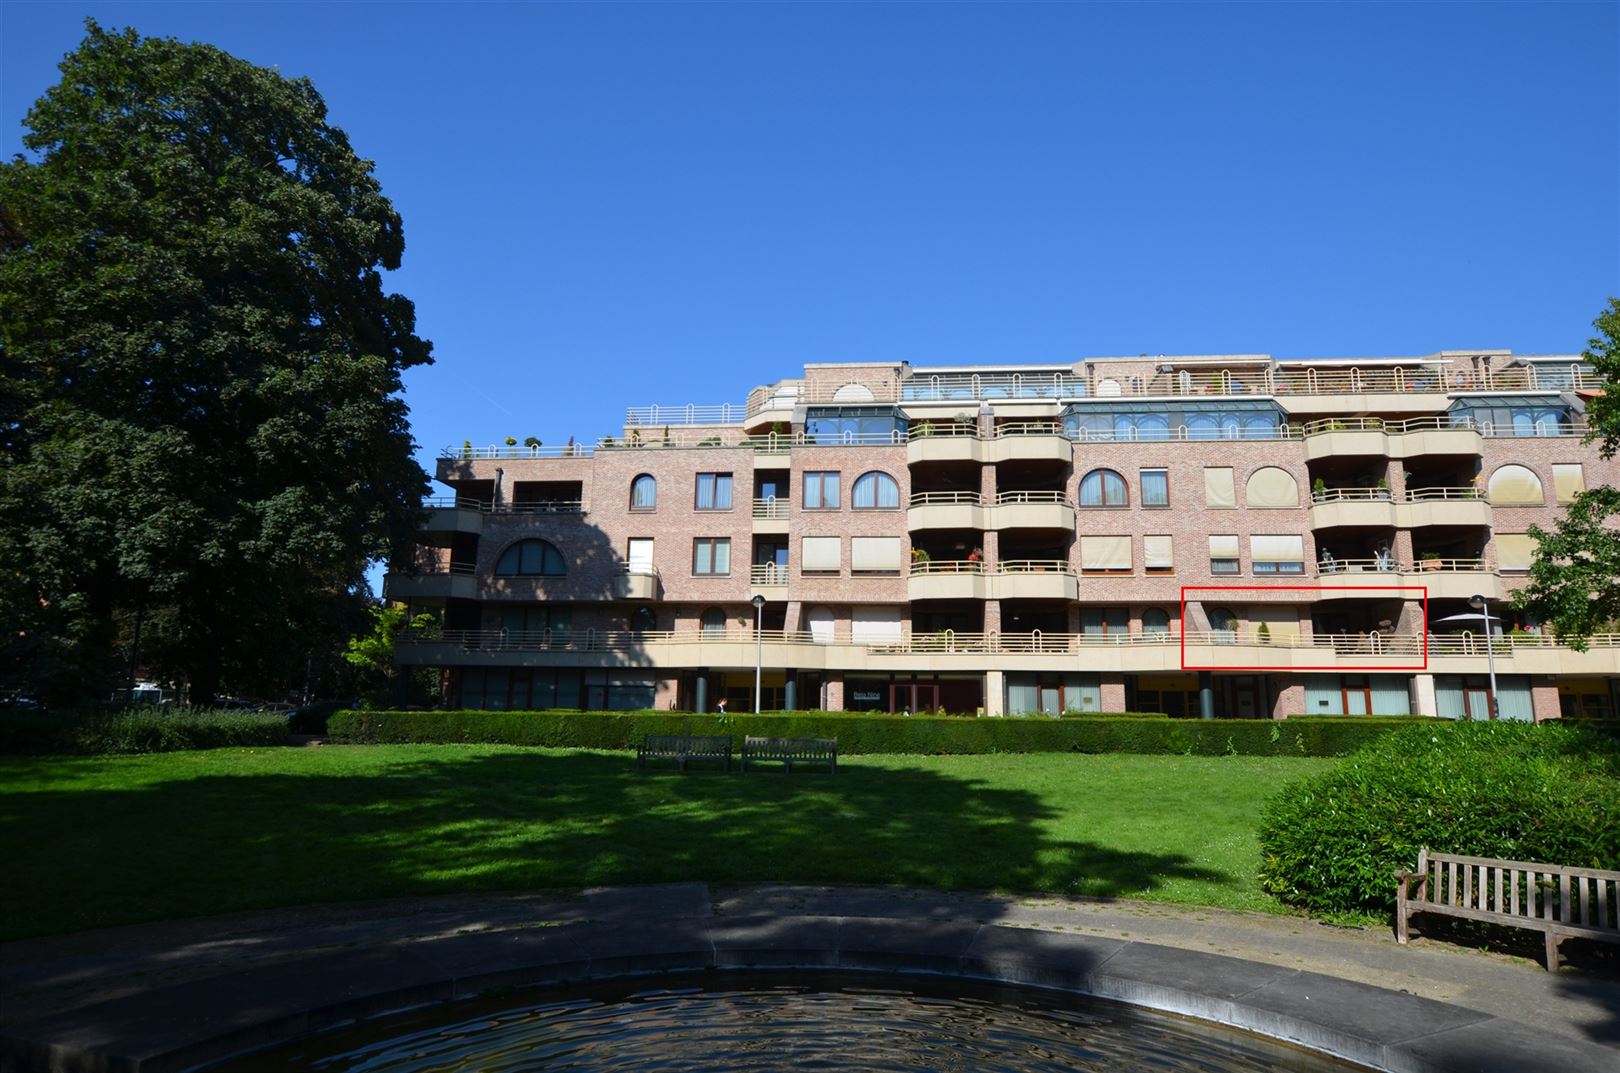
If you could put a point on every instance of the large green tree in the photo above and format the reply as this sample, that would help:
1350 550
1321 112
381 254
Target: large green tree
1575 579
200 409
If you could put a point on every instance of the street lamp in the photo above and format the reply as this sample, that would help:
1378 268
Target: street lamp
759 646
1478 604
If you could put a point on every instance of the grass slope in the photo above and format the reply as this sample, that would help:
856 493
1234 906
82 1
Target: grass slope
97 841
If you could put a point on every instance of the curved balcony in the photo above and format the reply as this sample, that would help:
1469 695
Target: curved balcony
636 583
1030 441
1456 579
948 580
454 514
441 581
1363 436
1035 579
1332 507
946 510
944 442
1032 510
1442 506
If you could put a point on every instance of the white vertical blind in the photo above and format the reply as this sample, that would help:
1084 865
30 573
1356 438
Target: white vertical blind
1105 553
1218 488
1157 552
822 554
874 554
1515 551
1568 480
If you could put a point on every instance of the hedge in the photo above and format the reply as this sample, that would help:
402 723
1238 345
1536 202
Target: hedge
867 733
138 731
1515 791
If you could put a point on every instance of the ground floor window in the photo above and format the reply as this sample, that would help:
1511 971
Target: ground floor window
534 688
1176 695
1467 696
918 694
1356 694
1585 698
1053 694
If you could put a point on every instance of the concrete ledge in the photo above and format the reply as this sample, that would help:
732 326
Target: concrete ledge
651 931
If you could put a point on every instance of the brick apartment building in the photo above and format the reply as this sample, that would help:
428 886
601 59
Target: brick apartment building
1233 535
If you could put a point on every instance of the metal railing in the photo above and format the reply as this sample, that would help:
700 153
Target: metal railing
772 507
1351 495
1006 499
484 506
926 430
1388 565
725 413
767 574
1183 434
949 566
936 499
470 454
1030 428
432 570
1430 495
1034 566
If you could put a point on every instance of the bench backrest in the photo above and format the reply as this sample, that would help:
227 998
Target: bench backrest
797 748
679 743
1589 897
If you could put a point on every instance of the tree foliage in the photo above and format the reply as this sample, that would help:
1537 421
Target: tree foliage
1575 579
199 370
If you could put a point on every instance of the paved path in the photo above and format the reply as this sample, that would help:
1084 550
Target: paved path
251 979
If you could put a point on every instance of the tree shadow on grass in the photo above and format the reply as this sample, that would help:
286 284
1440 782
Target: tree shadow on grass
343 827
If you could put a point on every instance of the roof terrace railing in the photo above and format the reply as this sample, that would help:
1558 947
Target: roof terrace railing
468 453
724 413
484 506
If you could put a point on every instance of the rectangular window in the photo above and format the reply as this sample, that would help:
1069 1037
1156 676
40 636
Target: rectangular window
821 555
821 490
711 556
713 491
1277 554
1158 555
1219 490
1568 480
1105 554
1515 551
874 555
1155 488
1104 621
640 559
1223 552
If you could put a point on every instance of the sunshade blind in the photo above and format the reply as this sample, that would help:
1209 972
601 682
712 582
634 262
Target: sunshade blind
1218 488
874 553
1157 551
1515 484
822 553
1223 547
1515 551
875 625
1277 549
1271 487
1568 480
1105 553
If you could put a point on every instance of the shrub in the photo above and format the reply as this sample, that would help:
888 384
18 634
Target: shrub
860 732
140 730
1507 790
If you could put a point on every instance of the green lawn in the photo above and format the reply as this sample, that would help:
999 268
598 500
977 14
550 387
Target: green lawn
95 841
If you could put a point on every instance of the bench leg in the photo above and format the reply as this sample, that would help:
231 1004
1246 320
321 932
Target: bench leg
1553 940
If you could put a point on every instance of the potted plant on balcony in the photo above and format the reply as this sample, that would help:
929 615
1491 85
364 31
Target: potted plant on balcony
533 444
920 555
976 555
1430 560
511 441
1319 489
1263 634
1383 488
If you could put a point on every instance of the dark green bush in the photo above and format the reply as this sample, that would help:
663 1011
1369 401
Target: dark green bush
1518 791
139 730
867 733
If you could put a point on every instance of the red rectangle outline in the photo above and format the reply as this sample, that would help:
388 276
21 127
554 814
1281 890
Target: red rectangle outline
1356 669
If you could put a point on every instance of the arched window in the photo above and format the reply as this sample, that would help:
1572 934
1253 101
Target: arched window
643 620
1103 488
876 491
644 493
1155 622
1223 624
1516 484
714 622
1270 486
530 558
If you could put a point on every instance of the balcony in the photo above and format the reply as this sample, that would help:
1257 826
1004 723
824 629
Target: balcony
1444 578
1034 579
1443 506
1332 507
636 583
440 581
1032 510
767 579
946 510
942 442
1353 437
454 514
771 515
1030 441
949 580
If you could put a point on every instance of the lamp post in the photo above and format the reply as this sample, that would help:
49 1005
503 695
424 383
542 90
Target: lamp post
759 646
1478 604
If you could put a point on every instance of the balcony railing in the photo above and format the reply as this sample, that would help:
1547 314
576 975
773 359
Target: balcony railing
767 574
1035 642
1433 495
1388 565
1034 566
1004 499
949 566
470 454
772 508
484 506
434 570
937 499
1351 495
725 413
1030 428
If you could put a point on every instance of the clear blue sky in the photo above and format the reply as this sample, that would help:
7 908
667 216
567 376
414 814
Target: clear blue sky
618 204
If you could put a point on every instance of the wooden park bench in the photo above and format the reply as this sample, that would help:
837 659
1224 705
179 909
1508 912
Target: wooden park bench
682 748
1553 899
791 751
